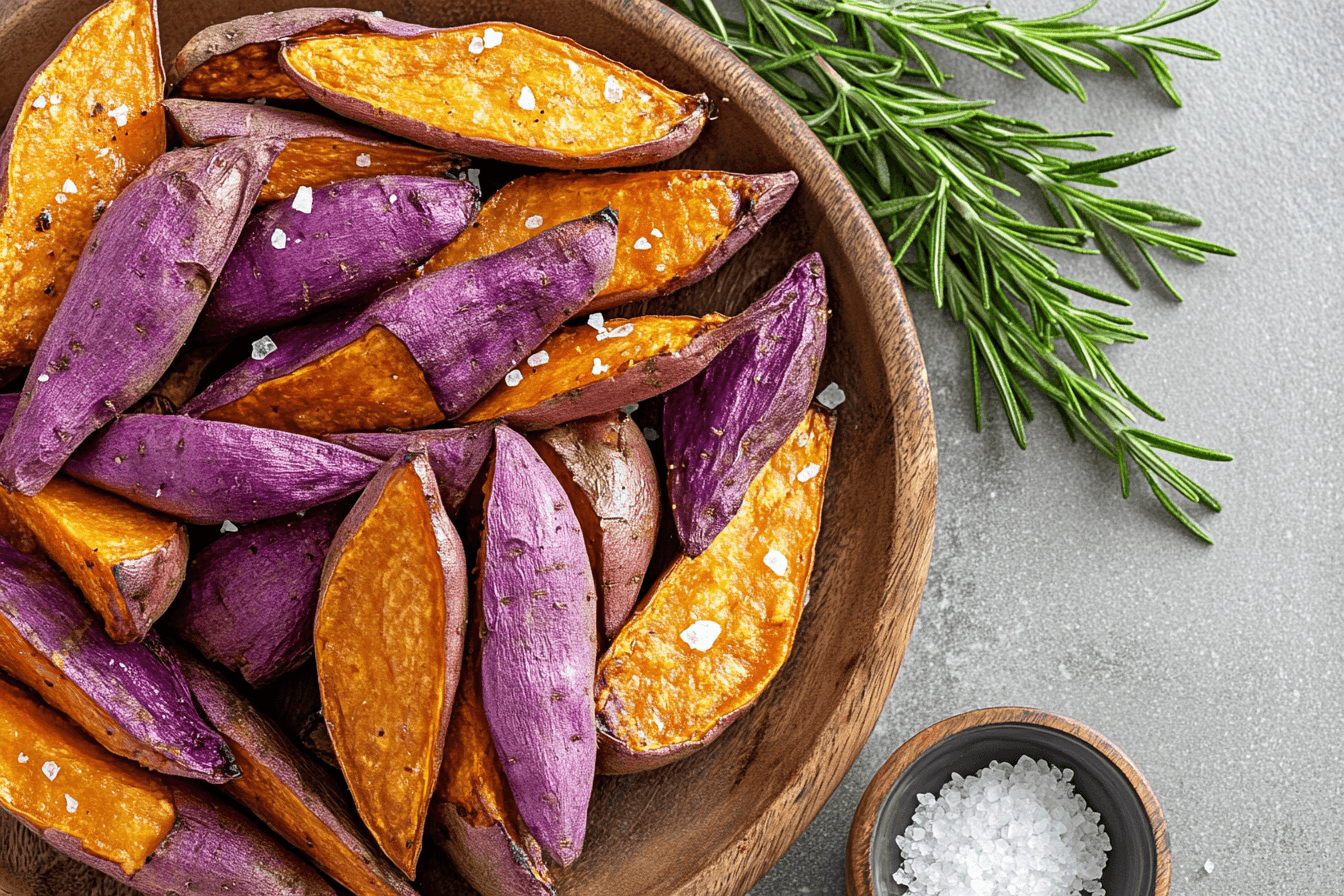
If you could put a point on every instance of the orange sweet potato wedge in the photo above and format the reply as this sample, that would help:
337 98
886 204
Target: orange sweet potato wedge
57 780
127 560
676 227
715 628
501 91
86 124
388 642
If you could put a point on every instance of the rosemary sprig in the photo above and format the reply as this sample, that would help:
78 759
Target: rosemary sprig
935 168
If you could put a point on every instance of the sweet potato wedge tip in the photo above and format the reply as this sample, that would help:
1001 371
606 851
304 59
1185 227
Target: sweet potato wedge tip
501 91
236 60
676 228
86 124
715 629
54 777
388 667
455 455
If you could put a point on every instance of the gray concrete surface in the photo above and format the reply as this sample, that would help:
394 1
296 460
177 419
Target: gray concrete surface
1217 669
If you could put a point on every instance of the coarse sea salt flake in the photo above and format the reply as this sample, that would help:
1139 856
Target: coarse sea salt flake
832 396
120 115
533 222
526 100
613 90
493 38
363 160
808 473
642 243
23 758
476 46
630 408
51 770
660 267
778 563
538 359
624 329
599 368
42 377
278 238
650 433
68 186
60 197
597 321
303 199
392 199
513 377
656 232
1208 866
40 103
263 347
227 527
701 634
55 99
71 804
573 66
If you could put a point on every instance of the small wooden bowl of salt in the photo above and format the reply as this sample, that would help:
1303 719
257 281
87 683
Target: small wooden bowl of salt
973 816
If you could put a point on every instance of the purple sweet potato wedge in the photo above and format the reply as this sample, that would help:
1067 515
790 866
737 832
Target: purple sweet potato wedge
250 597
462 89
236 60
722 427
286 788
539 610
131 698
605 467
455 455
207 472
142 279
395 364
330 245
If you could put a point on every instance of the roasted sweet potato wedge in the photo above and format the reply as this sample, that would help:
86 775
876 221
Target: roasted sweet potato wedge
714 629
455 455
388 642
290 792
250 596
500 91
129 697
395 365
677 227
721 427
86 124
605 467
236 60
539 616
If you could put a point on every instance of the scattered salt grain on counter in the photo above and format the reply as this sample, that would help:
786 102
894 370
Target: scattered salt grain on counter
71 804
228 528
808 473
832 396
278 238
650 434
513 378
538 359
476 47
263 347
526 101
533 222
778 563
303 200
51 770
363 160
1007 829
701 634
613 90
493 38
1208 866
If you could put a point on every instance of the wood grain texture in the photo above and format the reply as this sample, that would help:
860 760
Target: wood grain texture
858 853
716 821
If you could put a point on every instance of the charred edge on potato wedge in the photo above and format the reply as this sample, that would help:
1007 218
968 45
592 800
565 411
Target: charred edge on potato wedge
715 629
129 697
86 124
237 60
677 227
250 596
502 91
53 777
183 377
455 455
605 467
388 667
539 627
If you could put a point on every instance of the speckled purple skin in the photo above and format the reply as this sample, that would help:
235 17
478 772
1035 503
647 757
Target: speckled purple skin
273 26
487 857
212 850
722 427
134 297
150 583
455 455
251 596
137 685
207 472
466 325
324 803
540 648
358 235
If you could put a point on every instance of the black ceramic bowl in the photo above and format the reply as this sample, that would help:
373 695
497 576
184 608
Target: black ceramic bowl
1138 863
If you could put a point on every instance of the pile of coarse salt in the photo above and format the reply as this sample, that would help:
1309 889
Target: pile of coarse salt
1010 830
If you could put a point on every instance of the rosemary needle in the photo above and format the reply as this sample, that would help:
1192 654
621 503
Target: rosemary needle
933 170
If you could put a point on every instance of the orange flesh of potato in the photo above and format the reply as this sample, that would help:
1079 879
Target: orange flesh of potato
582 355
450 81
88 533
381 660
369 385
318 161
670 693
54 777
88 124
669 220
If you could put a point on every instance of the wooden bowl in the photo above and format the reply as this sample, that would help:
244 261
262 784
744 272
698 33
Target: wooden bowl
1139 863
717 820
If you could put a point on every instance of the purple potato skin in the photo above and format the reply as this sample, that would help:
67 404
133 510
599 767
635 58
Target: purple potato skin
723 426
455 455
251 596
677 139
604 463
135 687
134 297
226 37
487 857
539 647
547 279
206 472
358 235
199 122
212 850
311 784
